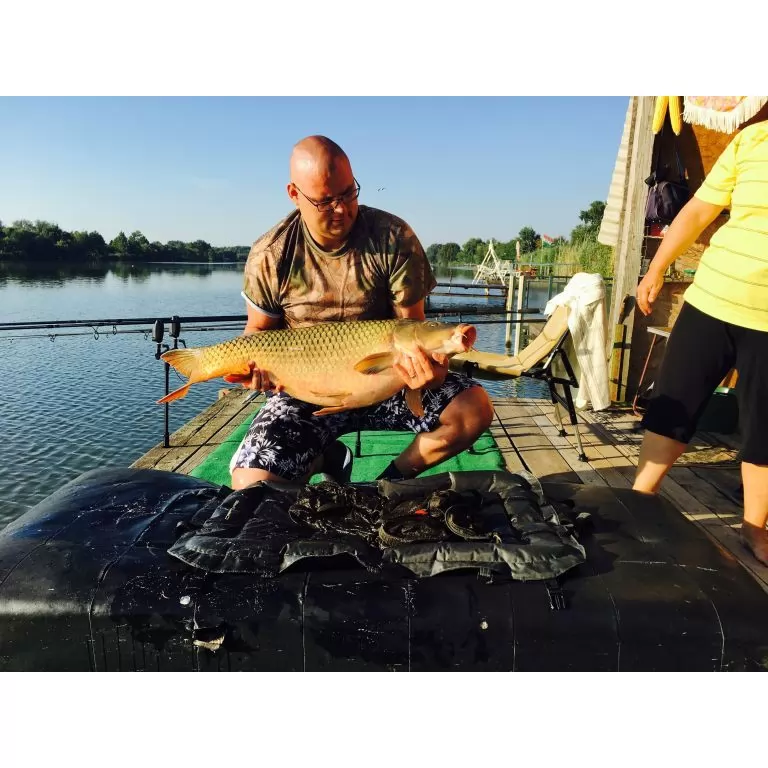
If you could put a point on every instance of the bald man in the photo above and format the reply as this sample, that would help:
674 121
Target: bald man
333 260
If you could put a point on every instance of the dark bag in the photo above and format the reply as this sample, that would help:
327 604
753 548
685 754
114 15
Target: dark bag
666 197
665 200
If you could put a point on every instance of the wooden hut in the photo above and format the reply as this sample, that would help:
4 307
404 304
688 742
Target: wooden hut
624 228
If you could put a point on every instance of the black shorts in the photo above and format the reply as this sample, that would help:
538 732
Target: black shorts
700 351
284 436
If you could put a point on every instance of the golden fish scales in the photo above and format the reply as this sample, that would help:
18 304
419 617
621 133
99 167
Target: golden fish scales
337 365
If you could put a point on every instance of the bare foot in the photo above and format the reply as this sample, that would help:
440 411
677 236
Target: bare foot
755 539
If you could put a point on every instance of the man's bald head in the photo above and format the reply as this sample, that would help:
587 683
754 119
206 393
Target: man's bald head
321 177
316 159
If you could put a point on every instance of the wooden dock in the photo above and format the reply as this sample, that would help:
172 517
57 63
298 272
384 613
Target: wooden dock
705 486
193 442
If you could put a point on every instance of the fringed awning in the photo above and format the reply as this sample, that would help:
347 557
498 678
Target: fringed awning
721 113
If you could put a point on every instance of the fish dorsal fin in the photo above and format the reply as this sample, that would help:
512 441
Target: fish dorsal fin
414 402
375 363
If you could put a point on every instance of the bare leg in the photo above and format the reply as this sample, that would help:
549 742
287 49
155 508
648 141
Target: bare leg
464 419
657 455
242 477
753 532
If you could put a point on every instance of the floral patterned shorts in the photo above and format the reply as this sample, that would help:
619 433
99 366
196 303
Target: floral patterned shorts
284 437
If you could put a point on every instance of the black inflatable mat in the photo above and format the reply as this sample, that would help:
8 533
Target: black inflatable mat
86 582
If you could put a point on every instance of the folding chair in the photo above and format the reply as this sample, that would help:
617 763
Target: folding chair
535 361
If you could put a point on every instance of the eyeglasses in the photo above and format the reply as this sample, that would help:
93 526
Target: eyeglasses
329 204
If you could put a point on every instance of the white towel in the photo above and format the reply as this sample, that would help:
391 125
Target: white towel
584 295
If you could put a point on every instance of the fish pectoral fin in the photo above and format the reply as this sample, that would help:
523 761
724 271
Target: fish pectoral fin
235 375
375 363
340 404
330 409
414 402
340 397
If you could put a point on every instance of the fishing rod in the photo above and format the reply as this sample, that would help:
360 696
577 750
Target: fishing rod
41 324
51 336
33 325
530 317
96 335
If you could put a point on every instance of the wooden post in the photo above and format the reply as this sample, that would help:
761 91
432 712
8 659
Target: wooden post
520 298
631 234
508 307
617 360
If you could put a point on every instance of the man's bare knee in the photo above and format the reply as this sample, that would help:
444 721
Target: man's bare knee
468 415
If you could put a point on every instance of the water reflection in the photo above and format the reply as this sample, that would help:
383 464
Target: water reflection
58 273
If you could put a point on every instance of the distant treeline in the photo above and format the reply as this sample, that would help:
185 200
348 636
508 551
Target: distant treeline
474 250
42 241
582 248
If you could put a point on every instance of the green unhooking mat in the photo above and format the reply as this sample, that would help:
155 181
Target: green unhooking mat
378 449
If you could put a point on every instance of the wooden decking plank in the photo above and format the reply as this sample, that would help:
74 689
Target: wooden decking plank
211 427
224 422
716 487
587 473
625 462
604 457
180 437
209 437
716 520
506 449
190 430
239 411
718 438
536 449
505 444
710 521
730 513
195 459
174 457
726 480
150 459
682 499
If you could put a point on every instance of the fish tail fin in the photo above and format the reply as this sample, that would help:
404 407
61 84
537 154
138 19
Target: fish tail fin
186 362
183 360
177 394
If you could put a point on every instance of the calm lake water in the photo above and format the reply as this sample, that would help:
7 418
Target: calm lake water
71 403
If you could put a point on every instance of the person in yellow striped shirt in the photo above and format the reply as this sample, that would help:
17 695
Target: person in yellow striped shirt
723 324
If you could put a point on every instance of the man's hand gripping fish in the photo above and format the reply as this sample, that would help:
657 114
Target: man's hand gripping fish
336 365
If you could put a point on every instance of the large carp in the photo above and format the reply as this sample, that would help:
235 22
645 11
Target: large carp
336 365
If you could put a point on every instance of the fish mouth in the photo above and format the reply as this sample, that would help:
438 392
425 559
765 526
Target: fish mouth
465 336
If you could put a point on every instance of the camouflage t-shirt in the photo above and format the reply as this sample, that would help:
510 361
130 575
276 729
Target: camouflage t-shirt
382 265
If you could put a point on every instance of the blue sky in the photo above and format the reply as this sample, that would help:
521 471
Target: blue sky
216 168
